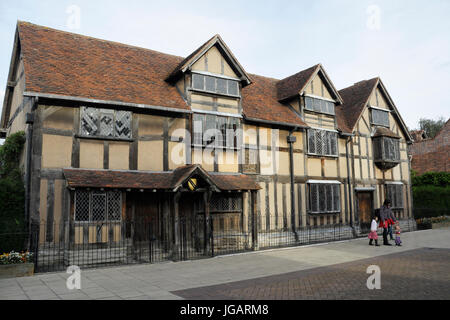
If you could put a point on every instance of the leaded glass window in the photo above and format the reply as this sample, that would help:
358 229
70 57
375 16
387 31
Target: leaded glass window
94 206
226 203
105 123
319 105
208 128
324 198
215 84
322 142
394 192
380 117
386 149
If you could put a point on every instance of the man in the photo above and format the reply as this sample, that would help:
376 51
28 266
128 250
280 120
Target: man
391 220
385 215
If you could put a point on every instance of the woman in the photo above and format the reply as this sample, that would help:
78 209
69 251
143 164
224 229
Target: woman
385 215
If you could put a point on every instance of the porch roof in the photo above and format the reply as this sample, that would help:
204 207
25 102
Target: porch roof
167 180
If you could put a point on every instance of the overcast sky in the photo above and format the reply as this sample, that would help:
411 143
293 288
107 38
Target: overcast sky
406 43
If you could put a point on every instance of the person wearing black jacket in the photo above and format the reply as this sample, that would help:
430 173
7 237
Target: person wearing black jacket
385 215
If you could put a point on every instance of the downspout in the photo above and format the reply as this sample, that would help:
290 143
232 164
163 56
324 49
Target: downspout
349 183
291 140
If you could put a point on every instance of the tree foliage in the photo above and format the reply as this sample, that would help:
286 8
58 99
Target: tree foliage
431 127
12 190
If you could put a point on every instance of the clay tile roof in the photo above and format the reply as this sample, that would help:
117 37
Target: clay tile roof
292 85
355 99
259 101
63 63
235 182
385 132
67 64
83 178
117 179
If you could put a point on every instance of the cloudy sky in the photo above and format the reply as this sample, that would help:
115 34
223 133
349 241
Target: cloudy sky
406 43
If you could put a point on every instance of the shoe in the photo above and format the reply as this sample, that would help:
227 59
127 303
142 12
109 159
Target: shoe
387 244
377 245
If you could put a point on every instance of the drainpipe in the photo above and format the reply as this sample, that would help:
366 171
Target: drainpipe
29 140
349 183
291 140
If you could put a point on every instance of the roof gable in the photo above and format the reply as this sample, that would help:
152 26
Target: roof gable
296 84
356 99
218 42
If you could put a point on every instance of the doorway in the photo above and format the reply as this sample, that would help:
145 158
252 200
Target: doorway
365 209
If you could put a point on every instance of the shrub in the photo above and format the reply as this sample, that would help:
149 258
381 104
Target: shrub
12 193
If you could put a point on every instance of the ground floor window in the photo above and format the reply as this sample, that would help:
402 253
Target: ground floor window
95 206
226 203
324 198
394 192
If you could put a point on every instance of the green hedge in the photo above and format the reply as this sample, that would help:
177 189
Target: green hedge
438 179
431 201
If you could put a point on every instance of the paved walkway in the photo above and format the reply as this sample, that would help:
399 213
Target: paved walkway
161 281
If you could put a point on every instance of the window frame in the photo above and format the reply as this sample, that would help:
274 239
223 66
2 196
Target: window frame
375 109
398 195
328 134
91 193
321 100
379 149
335 188
219 121
216 78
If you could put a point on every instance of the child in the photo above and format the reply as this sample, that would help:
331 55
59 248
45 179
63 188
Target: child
373 232
398 242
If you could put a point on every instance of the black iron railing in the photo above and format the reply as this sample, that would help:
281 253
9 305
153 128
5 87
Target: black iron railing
95 244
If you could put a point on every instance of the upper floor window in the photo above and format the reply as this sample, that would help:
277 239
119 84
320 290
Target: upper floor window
380 117
214 130
319 105
386 149
215 84
324 197
105 123
322 142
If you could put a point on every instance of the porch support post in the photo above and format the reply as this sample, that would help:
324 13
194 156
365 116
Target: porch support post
208 241
254 215
177 227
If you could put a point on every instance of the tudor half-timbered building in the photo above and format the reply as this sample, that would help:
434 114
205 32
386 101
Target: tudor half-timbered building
119 137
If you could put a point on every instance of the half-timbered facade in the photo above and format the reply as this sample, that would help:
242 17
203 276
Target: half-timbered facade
119 134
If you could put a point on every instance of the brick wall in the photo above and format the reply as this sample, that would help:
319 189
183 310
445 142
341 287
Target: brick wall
432 154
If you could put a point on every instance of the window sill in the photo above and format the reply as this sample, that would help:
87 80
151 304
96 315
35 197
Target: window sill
323 213
322 156
214 93
104 138
320 112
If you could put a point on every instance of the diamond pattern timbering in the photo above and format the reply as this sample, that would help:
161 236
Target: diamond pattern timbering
105 123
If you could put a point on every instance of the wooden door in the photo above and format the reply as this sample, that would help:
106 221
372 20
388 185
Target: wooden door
365 207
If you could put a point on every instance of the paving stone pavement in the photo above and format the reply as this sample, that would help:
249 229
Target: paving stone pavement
160 281
416 274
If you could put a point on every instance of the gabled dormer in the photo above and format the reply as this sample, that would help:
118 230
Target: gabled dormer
211 69
313 96
368 103
211 81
